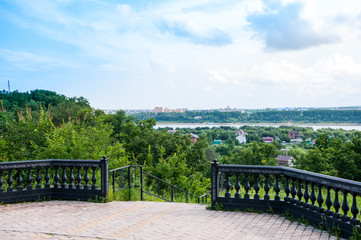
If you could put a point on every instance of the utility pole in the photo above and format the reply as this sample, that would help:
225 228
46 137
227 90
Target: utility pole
9 85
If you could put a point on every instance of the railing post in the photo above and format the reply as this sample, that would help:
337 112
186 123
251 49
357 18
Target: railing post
172 194
214 182
104 177
141 183
113 182
130 182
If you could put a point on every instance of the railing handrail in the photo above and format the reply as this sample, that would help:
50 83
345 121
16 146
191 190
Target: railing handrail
48 163
325 180
206 194
116 169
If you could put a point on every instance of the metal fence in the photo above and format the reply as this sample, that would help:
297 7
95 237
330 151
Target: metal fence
133 176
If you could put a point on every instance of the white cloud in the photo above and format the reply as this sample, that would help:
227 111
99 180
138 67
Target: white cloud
335 75
217 77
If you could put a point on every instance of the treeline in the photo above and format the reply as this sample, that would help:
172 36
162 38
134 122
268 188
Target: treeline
309 116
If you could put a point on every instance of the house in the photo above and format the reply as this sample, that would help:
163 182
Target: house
284 160
241 136
294 134
217 142
194 137
172 131
268 139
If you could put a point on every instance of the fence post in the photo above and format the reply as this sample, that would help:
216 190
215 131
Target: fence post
141 183
214 182
104 177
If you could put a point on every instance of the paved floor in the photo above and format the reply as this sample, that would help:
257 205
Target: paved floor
142 220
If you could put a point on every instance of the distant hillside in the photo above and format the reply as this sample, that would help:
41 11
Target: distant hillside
273 116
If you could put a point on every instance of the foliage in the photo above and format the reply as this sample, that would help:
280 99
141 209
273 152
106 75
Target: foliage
253 154
333 156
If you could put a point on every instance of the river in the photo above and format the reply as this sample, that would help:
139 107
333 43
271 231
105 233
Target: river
195 125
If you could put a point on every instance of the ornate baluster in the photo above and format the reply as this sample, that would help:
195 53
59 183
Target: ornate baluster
94 179
328 201
29 180
64 179
38 178
1 181
299 192
277 189
237 186
287 189
227 186
20 180
57 178
306 195
256 187
293 190
10 181
267 187
78 179
354 210
313 196
220 183
336 204
47 178
246 187
345 207
86 179
320 199
71 179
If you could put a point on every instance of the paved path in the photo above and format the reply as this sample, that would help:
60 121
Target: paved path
142 220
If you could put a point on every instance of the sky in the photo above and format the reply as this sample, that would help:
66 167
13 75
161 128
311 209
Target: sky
195 54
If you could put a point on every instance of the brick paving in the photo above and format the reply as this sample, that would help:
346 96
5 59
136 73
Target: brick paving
142 220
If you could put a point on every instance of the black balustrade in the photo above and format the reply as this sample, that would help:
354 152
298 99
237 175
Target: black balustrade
53 179
323 200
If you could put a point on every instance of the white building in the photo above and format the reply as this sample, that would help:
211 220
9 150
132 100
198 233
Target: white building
241 136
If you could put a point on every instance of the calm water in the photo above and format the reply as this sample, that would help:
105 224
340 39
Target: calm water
195 125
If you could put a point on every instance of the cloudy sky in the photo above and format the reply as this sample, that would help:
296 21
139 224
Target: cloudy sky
131 54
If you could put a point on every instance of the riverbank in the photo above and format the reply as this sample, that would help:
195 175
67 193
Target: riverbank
315 126
263 123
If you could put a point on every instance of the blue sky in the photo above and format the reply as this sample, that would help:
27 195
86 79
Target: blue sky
126 54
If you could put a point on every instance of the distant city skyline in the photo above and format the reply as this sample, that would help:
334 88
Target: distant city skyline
228 109
200 54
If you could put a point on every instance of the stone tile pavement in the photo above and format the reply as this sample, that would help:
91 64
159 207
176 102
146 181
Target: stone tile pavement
142 220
